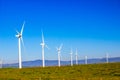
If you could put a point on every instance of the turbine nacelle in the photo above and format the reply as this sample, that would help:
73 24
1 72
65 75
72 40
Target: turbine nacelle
18 35
59 49
42 44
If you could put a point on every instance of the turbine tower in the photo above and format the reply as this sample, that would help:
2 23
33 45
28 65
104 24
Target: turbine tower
19 36
76 57
59 50
85 59
43 46
107 56
71 57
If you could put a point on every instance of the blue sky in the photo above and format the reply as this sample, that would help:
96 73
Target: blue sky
91 26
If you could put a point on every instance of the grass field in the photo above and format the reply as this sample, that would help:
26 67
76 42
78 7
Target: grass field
110 71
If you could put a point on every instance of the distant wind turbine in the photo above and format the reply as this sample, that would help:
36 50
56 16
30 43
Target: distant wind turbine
107 56
71 57
43 46
76 57
19 36
59 50
85 59
1 63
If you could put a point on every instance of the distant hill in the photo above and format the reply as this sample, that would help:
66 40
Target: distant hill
55 62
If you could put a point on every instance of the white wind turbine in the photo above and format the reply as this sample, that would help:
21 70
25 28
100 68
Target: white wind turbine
107 56
1 63
76 57
59 50
85 59
71 57
43 46
19 36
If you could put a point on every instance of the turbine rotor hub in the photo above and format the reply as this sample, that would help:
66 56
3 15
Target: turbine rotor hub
19 36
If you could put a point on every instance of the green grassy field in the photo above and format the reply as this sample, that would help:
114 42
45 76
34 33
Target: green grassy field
110 71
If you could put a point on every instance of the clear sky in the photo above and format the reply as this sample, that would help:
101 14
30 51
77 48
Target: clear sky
91 26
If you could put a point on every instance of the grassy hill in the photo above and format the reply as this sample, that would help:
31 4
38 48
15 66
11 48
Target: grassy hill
110 71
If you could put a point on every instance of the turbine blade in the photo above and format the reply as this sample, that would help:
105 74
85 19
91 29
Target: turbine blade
60 46
71 51
47 46
42 36
22 27
17 32
23 44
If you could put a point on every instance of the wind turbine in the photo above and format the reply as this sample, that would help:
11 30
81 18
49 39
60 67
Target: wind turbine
43 46
19 36
71 57
107 56
76 57
59 50
85 59
1 63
